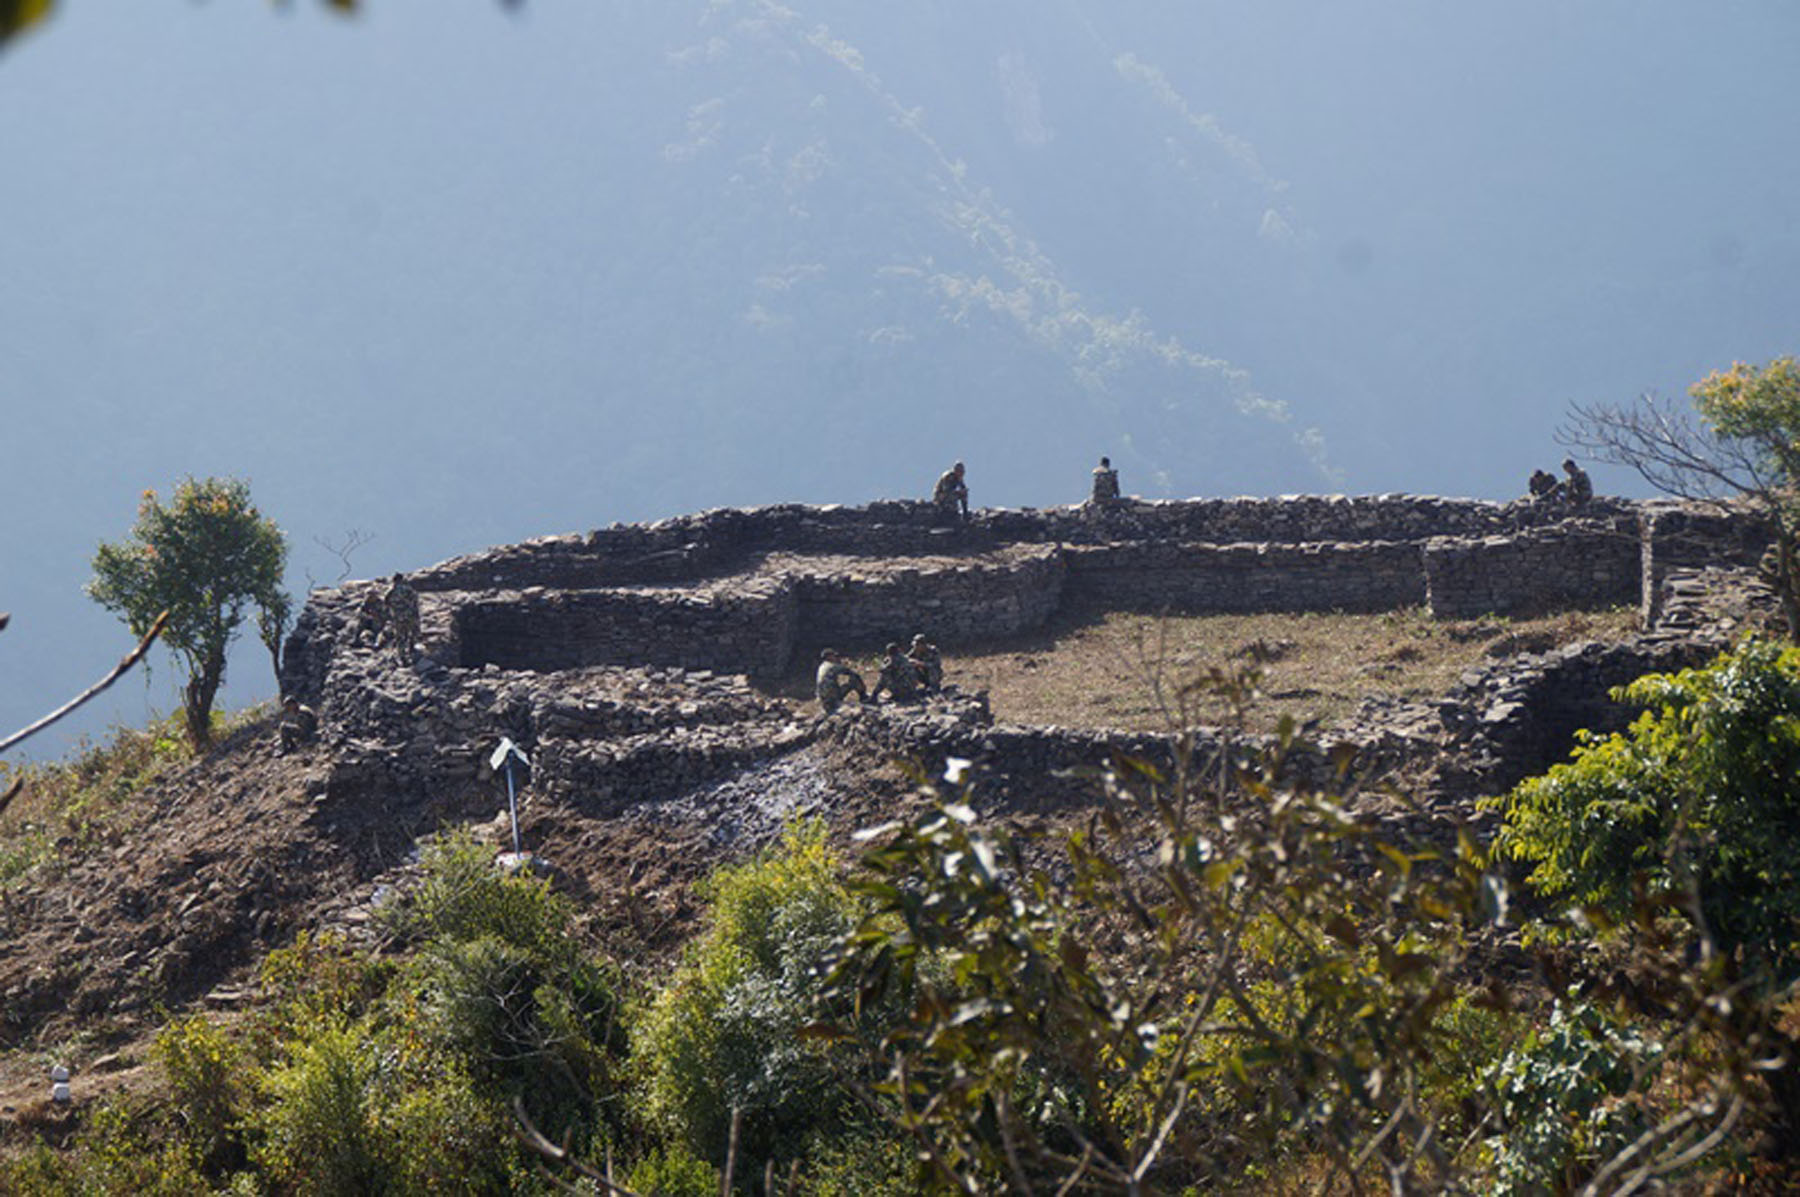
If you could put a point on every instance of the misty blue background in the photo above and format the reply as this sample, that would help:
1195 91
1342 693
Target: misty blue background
451 276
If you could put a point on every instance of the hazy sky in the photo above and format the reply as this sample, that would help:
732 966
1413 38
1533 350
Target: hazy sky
453 276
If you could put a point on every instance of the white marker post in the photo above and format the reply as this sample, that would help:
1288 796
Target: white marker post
503 757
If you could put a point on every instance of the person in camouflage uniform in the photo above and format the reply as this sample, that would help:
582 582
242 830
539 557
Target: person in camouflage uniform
951 494
298 725
1106 482
1543 485
899 679
402 611
836 681
927 663
1577 488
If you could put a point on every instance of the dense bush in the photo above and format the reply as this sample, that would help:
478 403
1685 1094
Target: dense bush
1224 968
726 1030
1570 1097
1698 797
500 983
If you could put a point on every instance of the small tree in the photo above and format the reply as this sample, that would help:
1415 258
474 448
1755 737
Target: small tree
1697 796
207 558
1745 445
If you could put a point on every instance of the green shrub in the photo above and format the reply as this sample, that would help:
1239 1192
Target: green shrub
674 1172
725 1031
443 1137
1697 796
208 1085
500 983
463 897
1570 1097
316 1134
320 980
119 1154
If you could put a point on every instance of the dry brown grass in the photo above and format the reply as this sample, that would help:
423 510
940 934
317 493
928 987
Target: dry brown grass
1126 671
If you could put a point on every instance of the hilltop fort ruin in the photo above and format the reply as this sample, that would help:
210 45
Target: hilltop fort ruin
626 659
634 665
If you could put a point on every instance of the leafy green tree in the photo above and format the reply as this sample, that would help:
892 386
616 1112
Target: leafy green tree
1746 447
1700 796
206 558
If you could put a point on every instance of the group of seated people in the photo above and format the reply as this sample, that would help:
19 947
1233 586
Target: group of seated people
904 677
1575 488
951 494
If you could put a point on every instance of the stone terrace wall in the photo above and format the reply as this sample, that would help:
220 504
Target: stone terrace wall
1151 577
1578 565
747 627
741 591
852 603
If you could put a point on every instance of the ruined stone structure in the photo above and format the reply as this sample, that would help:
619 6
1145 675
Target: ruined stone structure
622 658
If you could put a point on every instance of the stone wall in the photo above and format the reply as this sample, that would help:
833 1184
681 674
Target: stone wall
1682 537
1210 578
744 627
1578 565
853 604
689 547
614 658
740 591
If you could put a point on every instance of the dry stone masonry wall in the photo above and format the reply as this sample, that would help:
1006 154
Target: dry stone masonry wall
618 657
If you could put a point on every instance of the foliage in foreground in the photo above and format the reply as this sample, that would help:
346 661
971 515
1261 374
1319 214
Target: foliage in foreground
725 1033
1700 795
1230 976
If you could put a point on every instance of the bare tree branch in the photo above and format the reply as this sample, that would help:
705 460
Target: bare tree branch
527 1133
354 539
118 671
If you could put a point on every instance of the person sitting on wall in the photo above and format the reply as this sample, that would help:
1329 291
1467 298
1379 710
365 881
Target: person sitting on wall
951 494
899 679
298 725
836 681
1544 485
1577 488
1106 483
928 663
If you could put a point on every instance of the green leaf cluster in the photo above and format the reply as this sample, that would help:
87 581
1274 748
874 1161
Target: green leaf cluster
1698 801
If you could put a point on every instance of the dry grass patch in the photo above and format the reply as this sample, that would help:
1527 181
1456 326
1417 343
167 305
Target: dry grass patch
1127 671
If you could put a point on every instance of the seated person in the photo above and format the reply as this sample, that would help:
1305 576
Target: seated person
1577 488
899 679
836 681
951 494
1106 483
298 725
927 663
